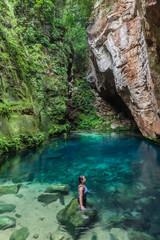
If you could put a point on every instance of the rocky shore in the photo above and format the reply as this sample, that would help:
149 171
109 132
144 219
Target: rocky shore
51 212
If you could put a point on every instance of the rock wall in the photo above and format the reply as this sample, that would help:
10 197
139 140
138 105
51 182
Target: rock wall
33 77
122 64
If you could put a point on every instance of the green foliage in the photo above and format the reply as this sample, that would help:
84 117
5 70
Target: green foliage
33 61
20 141
23 107
121 128
90 122
38 39
29 140
75 18
110 118
4 110
156 140
83 98
58 129
83 101
108 125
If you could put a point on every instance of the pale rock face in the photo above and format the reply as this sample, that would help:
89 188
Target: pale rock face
120 62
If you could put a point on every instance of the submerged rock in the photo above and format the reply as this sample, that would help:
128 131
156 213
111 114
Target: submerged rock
136 215
117 220
7 208
35 236
154 228
7 222
52 156
9 189
20 234
125 196
28 177
19 195
119 234
75 219
51 197
133 235
94 237
18 215
59 235
58 188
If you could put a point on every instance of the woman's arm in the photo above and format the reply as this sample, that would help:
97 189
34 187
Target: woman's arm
81 198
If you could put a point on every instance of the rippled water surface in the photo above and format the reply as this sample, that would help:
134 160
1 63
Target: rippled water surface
122 172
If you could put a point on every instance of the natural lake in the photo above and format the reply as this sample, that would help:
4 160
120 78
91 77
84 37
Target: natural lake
123 178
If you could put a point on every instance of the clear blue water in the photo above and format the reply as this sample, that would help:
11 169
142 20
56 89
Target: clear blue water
122 172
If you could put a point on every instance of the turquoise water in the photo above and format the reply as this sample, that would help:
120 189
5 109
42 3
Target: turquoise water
122 172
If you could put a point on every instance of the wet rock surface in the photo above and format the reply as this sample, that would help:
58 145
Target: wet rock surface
58 188
133 235
50 197
7 208
119 60
7 222
9 189
35 236
20 234
59 235
118 234
74 219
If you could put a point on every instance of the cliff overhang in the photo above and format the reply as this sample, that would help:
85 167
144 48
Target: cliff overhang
120 59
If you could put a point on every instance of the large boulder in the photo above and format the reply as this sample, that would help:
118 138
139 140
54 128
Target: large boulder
75 219
7 222
7 207
20 234
9 189
58 188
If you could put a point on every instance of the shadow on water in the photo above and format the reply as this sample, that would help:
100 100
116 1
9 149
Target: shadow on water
123 175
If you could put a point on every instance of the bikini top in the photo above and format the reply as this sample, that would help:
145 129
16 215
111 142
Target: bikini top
85 191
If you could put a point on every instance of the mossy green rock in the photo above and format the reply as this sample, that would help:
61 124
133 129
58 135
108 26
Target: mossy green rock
20 234
7 208
133 235
18 124
58 188
7 222
10 189
73 218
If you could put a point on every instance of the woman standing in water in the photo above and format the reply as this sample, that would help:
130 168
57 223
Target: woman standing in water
82 189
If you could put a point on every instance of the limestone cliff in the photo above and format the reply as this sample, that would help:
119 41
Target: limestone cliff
124 48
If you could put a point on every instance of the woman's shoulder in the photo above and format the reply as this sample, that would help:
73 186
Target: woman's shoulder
79 186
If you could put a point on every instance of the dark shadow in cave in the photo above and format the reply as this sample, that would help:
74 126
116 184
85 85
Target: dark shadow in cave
106 89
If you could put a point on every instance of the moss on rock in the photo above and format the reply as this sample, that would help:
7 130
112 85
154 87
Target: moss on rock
73 218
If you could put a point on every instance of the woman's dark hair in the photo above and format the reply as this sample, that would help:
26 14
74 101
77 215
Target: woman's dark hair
80 179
